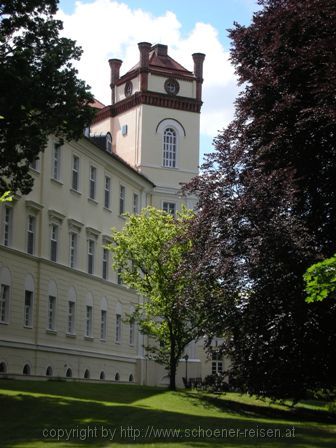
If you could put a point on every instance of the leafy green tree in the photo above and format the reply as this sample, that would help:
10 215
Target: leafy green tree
40 94
148 252
267 205
6 197
320 280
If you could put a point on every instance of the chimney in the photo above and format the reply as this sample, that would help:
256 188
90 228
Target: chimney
198 71
160 50
144 48
115 65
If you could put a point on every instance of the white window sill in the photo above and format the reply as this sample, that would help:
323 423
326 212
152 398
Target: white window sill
57 181
93 201
75 191
49 331
29 327
88 338
71 335
107 209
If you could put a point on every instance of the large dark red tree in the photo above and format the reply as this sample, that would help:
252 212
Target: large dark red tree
40 93
268 202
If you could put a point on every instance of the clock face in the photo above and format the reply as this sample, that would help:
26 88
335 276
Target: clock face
128 88
171 86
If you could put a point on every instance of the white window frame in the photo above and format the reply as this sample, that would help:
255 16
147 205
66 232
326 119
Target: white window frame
4 302
54 237
169 207
103 324
107 192
92 182
132 332
56 162
75 173
169 148
7 225
31 234
73 249
91 249
216 364
88 321
71 317
136 202
51 323
122 199
118 328
28 309
105 263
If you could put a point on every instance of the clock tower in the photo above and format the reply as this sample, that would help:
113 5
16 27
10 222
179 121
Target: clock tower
154 120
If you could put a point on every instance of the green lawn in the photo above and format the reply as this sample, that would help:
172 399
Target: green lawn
34 414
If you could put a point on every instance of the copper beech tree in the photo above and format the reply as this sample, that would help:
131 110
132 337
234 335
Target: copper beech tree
267 203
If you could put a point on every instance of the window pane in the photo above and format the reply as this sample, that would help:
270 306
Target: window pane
4 303
28 308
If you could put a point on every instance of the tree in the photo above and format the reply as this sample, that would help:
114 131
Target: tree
320 280
6 197
39 90
267 205
148 252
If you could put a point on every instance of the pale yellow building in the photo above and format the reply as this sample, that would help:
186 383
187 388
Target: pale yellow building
62 308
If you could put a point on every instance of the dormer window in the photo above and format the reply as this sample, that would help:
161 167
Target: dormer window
109 143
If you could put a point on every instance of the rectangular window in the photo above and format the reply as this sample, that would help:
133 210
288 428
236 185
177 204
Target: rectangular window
118 327
73 249
56 162
217 364
91 254
4 303
135 203
31 226
105 263
35 165
75 173
71 318
92 182
51 312
8 221
53 242
132 332
88 328
169 207
119 278
103 325
28 309
122 200
107 192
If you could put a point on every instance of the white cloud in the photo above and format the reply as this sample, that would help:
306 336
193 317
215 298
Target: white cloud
108 29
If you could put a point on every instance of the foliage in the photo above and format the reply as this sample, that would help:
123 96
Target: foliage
39 90
148 252
320 280
267 206
216 383
6 197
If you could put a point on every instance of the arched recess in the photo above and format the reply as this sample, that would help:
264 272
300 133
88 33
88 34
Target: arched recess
170 123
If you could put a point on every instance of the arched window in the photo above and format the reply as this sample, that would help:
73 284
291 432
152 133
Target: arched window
87 374
26 369
102 375
131 378
3 367
28 301
169 148
68 373
49 371
117 376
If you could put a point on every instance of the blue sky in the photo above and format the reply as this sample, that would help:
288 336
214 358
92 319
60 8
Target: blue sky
110 28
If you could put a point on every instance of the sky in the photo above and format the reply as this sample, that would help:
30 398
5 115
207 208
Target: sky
112 29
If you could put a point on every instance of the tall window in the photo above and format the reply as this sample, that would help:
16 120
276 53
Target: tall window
4 303
122 200
73 249
53 242
91 254
135 203
56 162
217 364
35 164
51 312
31 226
92 182
105 263
103 325
8 221
107 192
118 328
75 173
169 148
109 142
28 309
169 207
119 277
88 327
71 317
132 332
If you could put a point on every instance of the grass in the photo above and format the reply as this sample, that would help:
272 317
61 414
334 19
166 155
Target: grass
106 415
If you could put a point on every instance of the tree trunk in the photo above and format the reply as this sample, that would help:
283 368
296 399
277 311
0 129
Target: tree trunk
172 362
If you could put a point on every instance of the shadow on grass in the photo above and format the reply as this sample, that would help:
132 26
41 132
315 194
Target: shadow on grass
33 420
264 411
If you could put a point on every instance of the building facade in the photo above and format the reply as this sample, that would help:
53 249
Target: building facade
62 308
